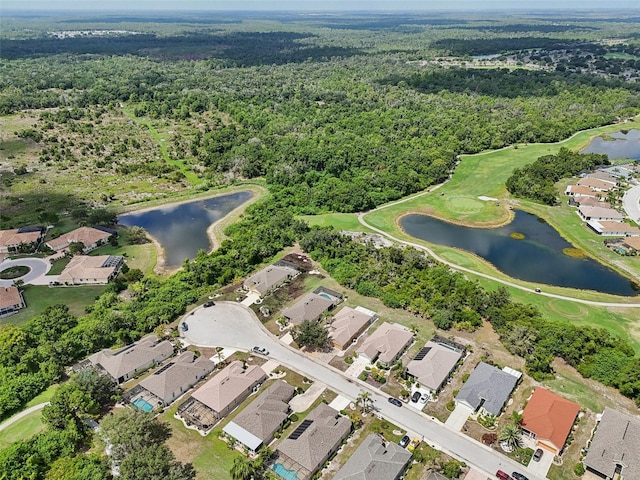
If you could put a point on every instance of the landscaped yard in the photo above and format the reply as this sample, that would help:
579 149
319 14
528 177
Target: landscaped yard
39 297
22 429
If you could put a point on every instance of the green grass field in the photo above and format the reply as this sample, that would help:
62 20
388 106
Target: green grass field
22 429
38 298
340 221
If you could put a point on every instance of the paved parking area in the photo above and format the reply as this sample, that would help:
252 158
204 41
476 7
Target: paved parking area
542 467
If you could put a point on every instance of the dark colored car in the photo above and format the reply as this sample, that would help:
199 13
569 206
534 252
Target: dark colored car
537 455
395 401
208 304
518 476
185 327
415 397
404 441
502 475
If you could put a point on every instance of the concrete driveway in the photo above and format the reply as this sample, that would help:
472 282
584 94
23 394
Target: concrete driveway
631 203
458 417
229 324
36 275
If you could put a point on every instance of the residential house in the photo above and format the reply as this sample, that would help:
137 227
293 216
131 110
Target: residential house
596 184
575 190
122 365
175 378
375 459
257 424
313 442
90 237
10 301
599 214
582 201
549 418
386 344
487 389
225 391
269 278
310 307
614 451
85 270
632 243
24 238
604 176
618 171
348 324
613 229
433 364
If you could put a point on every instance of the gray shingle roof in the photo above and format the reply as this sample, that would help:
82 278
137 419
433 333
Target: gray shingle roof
264 416
309 307
386 343
490 384
319 440
186 371
616 442
375 460
132 357
268 278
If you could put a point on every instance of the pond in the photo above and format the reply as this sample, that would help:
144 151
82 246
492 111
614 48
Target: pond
182 229
538 257
617 145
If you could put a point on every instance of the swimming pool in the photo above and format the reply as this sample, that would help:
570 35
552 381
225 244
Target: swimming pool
326 295
284 473
142 405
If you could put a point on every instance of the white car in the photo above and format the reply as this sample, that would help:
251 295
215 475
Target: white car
260 350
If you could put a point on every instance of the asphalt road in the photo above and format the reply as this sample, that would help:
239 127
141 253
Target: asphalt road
229 324
38 266
631 203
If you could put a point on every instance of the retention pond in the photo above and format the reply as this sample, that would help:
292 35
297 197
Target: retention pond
527 248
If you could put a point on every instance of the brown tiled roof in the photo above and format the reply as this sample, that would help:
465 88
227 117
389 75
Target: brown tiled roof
86 235
596 183
386 342
316 443
616 442
229 384
10 296
12 237
85 267
581 190
590 202
621 228
633 242
603 176
600 212
550 417
434 368
309 307
347 325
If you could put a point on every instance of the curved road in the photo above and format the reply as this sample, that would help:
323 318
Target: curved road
38 269
469 270
22 414
229 324
631 203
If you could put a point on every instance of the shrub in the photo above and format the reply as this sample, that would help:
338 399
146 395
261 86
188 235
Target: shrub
579 469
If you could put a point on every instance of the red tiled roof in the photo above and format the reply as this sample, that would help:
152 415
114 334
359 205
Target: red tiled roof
550 417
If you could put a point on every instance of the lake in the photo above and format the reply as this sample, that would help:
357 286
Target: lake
624 146
182 229
537 258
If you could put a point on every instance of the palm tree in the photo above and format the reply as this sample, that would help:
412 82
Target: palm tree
511 435
364 400
264 457
242 469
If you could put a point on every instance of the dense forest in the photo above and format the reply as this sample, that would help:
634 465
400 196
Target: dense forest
331 113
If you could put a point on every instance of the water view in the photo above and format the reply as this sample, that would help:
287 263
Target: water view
182 229
538 257
617 145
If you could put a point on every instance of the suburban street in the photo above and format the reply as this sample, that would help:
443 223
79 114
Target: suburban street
631 203
229 324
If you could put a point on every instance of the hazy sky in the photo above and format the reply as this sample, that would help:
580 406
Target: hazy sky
317 4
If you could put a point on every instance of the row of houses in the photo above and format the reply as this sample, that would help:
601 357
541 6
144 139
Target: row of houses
26 239
589 195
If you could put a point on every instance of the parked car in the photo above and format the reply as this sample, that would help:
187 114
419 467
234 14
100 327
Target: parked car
414 444
537 455
395 401
208 304
185 327
415 397
424 398
260 350
518 476
404 441
502 475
